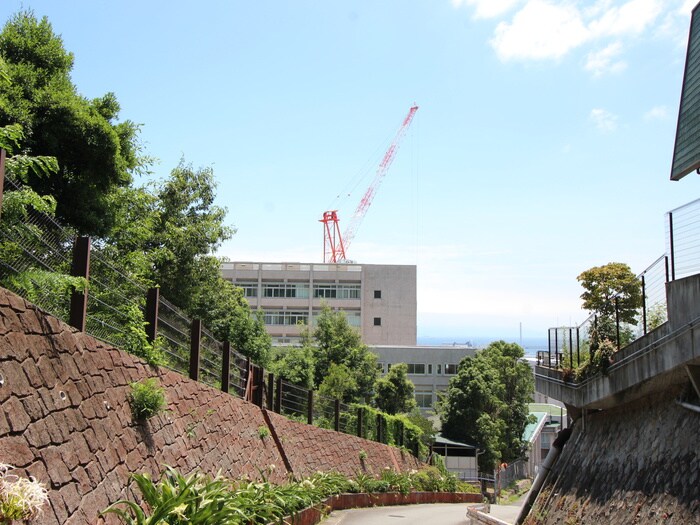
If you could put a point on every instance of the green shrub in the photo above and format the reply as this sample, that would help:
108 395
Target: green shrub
147 399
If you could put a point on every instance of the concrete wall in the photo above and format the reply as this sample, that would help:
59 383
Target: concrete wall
66 420
636 463
396 307
633 455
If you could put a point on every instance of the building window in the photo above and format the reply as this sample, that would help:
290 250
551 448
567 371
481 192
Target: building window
424 399
450 369
380 367
377 321
353 317
377 294
430 369
416 368
287 290
249 289
336 291
439 369
285 317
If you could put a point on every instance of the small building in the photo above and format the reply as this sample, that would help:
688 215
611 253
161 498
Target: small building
539 436
430 368
460 458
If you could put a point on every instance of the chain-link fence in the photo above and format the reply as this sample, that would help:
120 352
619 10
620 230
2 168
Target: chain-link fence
49 265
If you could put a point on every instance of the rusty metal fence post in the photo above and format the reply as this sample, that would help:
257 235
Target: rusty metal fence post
360 422
336 421
226 366
2 176
258 385
152 300
278 396
80 268
310 407
195 339
270 390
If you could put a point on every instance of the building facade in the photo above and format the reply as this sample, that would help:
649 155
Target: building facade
380 300
430 368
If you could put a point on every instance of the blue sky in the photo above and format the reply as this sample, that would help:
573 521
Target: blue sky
542 146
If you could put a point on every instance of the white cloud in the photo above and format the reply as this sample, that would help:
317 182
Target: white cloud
604 61
540 30
604 120
657 113
488 8
632 17
550 29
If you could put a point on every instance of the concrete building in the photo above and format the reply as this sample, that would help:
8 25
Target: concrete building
430 368
380 300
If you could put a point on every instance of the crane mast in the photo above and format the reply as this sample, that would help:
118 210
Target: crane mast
335 244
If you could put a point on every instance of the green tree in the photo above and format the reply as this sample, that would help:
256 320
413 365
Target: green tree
605 284
339 383
334 341
486 403
394 392
295 364
96 153
189 228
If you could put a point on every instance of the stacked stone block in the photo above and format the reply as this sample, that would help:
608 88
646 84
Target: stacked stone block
66 420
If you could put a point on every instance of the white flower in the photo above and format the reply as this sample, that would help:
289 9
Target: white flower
20 498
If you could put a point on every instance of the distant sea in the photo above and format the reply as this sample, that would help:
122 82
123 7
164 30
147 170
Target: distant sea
530 344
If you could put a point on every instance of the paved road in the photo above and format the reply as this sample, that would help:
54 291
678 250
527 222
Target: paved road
436 513
433 514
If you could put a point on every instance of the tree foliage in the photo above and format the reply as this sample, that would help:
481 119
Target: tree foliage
163 234
486 403
393 393
334 341
295 364
96 153
605 284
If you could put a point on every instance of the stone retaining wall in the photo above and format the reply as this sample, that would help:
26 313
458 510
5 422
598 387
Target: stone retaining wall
637 463
66 420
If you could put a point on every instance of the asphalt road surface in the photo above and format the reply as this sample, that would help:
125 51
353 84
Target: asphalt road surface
436 513
433 514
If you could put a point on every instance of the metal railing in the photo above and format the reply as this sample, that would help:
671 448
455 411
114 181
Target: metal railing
569 346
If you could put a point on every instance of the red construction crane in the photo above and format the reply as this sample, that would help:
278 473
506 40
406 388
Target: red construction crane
335 244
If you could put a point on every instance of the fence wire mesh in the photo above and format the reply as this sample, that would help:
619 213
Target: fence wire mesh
35 253
174 328
683 239
294 400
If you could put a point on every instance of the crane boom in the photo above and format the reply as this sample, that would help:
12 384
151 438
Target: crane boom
336 244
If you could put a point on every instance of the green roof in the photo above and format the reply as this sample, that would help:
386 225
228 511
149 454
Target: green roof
552 410
531 428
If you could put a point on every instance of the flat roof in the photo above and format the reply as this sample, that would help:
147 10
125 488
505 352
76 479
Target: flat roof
531 429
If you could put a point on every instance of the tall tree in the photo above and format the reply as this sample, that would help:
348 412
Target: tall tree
394 392
486 402
611 291
189 229
95 152
334 341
